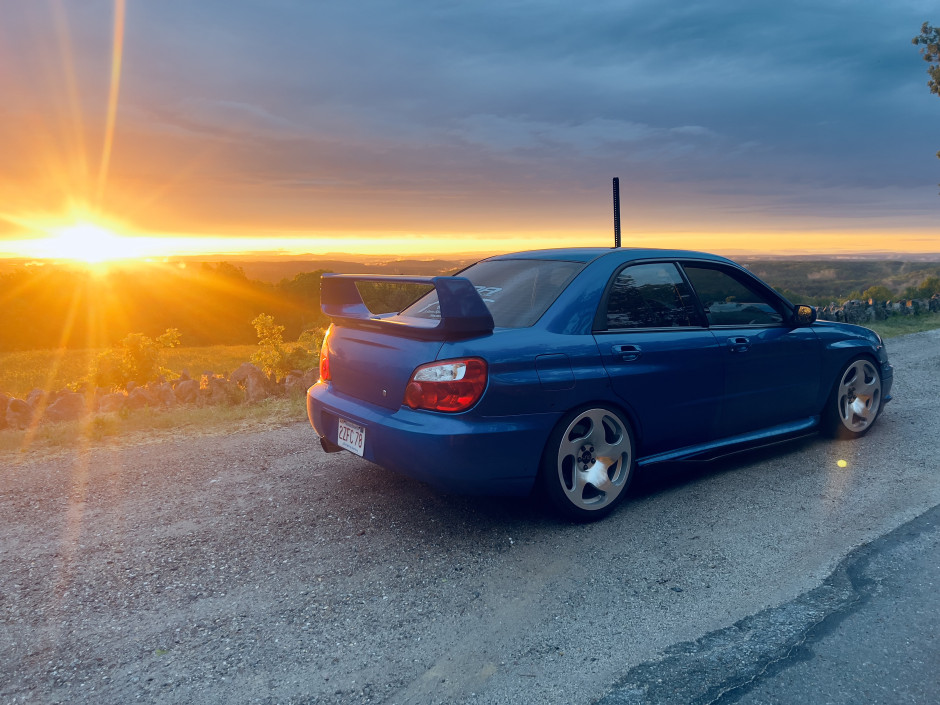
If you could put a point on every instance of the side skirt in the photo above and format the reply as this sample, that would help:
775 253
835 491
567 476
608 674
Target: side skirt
735 444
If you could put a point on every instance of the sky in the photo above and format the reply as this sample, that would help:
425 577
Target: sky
417 127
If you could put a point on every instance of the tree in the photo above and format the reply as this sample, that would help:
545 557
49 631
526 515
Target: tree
929 41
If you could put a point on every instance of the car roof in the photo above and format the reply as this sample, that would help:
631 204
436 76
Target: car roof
589 254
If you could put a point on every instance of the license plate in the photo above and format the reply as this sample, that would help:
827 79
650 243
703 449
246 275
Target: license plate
351 436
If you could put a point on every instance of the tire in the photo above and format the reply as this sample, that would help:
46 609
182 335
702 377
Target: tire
855 401
588 463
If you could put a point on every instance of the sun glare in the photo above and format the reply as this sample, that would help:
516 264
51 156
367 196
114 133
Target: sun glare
91 243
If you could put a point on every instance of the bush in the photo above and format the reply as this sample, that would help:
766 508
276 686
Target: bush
135 359
926 289
273 356
878 292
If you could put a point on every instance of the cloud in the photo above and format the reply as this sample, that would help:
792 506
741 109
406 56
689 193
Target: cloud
701 103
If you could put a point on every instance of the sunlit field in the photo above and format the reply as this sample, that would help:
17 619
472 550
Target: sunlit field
23 371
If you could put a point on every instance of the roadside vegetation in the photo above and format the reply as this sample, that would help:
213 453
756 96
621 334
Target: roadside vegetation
24 370
138 360
902 325
216 311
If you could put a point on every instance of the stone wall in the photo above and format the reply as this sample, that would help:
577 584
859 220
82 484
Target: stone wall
246 385
862 312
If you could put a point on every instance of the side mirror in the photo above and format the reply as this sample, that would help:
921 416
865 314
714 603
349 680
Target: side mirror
803 315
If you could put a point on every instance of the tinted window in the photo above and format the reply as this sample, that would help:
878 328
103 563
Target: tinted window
729 302
517 292
648 296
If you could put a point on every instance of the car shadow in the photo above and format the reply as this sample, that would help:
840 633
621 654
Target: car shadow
664 477
415 503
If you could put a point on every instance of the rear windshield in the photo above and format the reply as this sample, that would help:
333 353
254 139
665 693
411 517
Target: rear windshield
517 292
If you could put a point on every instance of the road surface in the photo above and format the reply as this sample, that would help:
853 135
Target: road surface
254 568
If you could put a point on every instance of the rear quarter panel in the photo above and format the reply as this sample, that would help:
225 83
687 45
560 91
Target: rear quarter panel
515 385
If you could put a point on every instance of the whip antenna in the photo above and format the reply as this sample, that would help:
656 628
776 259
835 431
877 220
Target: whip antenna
616 212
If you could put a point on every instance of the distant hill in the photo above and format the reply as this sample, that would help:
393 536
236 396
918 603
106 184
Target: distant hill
275 270
835 280
214 302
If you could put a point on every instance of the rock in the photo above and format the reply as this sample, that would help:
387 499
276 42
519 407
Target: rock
294 382
164 394
37 398
140 398
257 389
256 384
310 377
19 414
245 370
4 403
187 391
67 406
111 403
221 391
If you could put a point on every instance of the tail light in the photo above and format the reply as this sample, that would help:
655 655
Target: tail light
450 385
325 356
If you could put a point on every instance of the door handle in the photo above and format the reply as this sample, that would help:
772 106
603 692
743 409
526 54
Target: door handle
627 353
741 344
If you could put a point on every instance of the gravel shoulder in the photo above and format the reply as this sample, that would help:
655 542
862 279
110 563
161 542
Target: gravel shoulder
254 568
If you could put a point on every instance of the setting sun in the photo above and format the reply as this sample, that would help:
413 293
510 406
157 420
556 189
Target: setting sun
88 242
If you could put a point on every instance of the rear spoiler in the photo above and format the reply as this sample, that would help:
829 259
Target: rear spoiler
462 311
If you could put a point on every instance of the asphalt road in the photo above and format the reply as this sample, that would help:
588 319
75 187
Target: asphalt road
254 568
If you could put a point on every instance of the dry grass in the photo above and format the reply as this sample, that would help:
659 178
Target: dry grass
151 425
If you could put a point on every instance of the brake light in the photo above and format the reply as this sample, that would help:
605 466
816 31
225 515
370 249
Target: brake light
325 357
450 385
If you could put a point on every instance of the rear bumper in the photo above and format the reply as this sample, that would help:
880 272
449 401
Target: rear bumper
454 452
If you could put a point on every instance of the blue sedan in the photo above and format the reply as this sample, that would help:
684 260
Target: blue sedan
564 370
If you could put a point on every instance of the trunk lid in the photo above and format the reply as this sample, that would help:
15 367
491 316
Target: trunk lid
375 366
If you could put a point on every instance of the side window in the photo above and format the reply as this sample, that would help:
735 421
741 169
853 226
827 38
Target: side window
729 302
649 296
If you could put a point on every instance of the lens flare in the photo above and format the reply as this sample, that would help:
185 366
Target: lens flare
91 243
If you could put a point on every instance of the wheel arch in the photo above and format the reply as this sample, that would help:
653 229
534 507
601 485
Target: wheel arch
614 403
828 421
566 415
832 368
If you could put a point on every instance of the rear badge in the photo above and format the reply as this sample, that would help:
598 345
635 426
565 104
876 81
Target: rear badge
384 393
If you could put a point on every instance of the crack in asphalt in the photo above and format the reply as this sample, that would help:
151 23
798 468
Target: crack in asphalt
721 667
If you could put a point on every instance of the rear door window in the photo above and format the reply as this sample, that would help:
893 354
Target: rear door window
516 292
649 296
